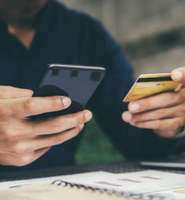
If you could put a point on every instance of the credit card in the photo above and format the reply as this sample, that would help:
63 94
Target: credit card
150 84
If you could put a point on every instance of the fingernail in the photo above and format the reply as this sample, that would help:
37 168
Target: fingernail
134 107
66 101
81 126
127 116
177 75
88 115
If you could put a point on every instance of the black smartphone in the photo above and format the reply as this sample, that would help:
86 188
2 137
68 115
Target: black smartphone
76 82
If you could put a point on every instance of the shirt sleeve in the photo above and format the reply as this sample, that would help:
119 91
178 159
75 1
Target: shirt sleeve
107 106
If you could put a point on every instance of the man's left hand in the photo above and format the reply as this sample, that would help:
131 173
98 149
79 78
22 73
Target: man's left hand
164 113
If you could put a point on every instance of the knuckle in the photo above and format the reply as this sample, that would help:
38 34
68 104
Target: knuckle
29 106
9 134
5 112
81 119
161 113
23 160
157 124
145 104
55 127
28 93
56 103
168 98
18 149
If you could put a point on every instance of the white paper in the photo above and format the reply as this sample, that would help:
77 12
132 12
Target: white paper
38 181
149 182
138 183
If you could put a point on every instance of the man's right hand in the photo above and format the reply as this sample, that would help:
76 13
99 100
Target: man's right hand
22 141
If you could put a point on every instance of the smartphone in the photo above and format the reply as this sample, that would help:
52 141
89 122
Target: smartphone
76 82
150 84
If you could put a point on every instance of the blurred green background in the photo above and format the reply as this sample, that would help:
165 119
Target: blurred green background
95 147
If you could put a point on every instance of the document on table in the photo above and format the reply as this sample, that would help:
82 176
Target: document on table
37 181
144 183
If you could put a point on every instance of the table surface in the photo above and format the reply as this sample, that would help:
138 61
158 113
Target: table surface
116 167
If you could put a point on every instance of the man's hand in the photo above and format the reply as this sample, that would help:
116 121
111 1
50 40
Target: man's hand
21 140
164 113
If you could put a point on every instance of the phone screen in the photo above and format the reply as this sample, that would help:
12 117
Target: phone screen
76 82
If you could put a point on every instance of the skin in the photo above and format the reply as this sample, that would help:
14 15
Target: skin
22 141
164 113
22 18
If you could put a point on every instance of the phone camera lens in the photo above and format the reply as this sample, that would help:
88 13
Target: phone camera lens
74 73
55 72
95 76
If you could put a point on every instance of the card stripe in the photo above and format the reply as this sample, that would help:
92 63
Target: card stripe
154 79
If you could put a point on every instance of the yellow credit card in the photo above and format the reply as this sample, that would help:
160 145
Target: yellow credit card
150 84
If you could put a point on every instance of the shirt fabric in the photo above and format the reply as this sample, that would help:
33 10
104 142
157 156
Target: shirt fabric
66 36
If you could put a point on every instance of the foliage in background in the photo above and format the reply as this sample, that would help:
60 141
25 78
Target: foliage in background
95 147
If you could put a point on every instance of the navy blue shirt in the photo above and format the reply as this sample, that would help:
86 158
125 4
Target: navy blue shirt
69 37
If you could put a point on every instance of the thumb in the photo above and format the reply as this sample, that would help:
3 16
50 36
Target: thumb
178 74
8 92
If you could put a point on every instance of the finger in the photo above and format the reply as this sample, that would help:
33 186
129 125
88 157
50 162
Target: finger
158 101
36 105
9 160
178 74
26 146
169 124
127 116
7 92
171 112
60 123
52 140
